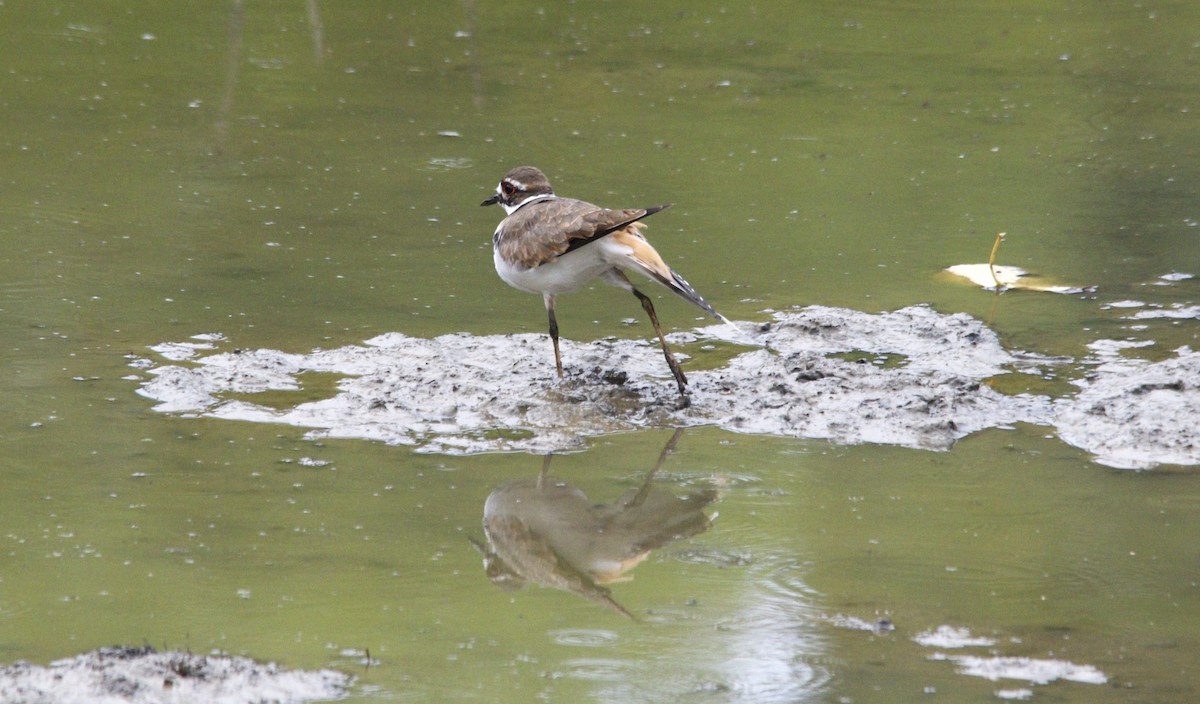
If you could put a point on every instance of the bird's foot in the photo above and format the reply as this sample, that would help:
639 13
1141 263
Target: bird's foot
684 401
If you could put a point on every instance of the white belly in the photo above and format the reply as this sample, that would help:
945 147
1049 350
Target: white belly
563 275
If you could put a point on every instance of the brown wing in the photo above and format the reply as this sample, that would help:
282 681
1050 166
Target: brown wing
545 230
603 222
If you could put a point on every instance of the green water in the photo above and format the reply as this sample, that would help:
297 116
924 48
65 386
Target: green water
170 169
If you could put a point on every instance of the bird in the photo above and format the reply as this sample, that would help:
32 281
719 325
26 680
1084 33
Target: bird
552 245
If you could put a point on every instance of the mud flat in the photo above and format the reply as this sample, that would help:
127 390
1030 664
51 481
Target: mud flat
911 377
141 675
1134 415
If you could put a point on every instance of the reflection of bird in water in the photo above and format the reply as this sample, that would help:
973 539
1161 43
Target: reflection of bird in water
547 532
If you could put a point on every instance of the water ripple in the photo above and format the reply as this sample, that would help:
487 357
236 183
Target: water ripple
599 669
584 637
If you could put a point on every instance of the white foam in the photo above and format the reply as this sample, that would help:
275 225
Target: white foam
461 393
951 637
1031 670
143 676
1177 311
911 377
1138 415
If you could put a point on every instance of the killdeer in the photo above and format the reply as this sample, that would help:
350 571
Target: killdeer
551 245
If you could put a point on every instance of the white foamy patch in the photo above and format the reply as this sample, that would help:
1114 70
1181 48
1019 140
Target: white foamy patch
927 340
185 389
910 377
123 675
1108 355
1176 276
179 351
1017 695
1123 304
1028 669
1106 349
1137 415
1177 311
951 637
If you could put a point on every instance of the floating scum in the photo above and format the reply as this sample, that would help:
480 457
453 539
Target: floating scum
915 378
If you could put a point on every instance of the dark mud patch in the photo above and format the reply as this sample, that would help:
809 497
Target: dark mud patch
911 377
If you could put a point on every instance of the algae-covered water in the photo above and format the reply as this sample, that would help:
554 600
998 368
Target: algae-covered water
294 176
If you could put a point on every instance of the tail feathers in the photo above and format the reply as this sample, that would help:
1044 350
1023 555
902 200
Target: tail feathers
679 285
642 257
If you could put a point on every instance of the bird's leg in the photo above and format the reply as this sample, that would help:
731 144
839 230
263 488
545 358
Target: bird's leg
549 299
545 473
640 497
680 379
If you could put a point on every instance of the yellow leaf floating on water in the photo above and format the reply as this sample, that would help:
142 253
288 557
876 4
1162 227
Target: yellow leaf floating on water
1008 277
1002 278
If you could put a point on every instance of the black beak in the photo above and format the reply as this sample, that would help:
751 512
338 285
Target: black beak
492 201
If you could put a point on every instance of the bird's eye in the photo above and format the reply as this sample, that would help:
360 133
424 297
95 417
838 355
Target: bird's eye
507 188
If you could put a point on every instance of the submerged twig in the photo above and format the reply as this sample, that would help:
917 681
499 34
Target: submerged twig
232 65
318 32
477 96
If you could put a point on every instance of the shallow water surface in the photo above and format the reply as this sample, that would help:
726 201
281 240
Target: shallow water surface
300 176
